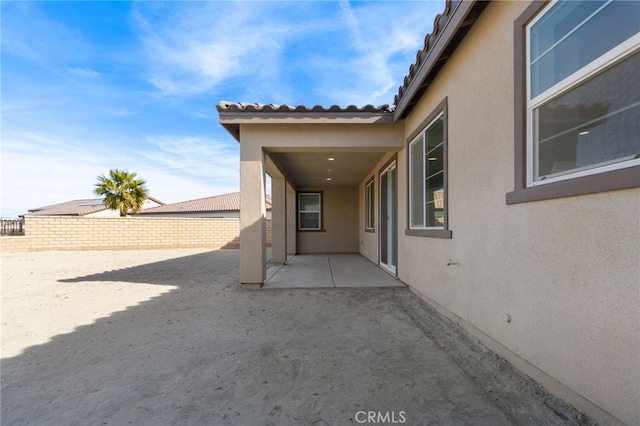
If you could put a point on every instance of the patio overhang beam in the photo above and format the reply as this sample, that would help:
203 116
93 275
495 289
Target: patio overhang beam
233 115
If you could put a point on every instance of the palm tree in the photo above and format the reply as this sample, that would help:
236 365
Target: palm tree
122 191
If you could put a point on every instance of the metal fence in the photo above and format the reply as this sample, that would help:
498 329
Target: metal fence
12 227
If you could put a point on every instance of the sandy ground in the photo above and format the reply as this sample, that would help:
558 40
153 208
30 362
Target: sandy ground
169 337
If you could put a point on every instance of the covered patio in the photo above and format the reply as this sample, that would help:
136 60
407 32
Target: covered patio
329 270
327 154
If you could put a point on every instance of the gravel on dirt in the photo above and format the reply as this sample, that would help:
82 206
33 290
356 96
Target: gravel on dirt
169 337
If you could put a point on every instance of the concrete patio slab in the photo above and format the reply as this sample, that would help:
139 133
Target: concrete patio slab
170 337
305 271
354 270
329 270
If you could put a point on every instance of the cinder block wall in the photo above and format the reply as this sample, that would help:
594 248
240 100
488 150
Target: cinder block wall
14 244
79 233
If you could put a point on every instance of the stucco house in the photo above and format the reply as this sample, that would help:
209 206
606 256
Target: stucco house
503 187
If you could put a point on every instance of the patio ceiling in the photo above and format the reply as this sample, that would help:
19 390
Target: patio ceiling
312 169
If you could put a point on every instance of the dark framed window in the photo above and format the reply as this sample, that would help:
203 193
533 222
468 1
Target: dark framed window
577 99
427 177
309 211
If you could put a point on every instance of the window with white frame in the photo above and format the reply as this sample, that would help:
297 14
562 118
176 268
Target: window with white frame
427 175
583 90
369 206
309 211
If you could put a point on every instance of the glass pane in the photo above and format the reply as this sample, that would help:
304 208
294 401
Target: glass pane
435 161
563 17
596 123
309 220
435 200
566 39
434 135
392 218
434 175
417 194
309 202
431 214
384 208
369 206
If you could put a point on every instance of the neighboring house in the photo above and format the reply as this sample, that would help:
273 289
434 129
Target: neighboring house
223 206
503 187
92 207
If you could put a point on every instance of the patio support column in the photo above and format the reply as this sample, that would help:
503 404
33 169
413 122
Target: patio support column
291 219
253 260
278 220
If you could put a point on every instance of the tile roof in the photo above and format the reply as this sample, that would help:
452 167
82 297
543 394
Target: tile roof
75 207
429 40
216 203
70 208
449 28
224 106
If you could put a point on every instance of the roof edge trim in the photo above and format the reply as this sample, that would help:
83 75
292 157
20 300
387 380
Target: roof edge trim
447 25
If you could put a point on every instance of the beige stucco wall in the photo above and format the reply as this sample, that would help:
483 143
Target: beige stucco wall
304 136
567 271
339 222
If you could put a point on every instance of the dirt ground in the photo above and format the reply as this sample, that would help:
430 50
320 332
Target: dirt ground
169 337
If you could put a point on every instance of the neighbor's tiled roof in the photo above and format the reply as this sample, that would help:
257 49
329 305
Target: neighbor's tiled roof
75 207
271 108
70 208
217 203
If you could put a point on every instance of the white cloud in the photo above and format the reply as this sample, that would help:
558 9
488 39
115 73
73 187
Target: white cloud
393 36
262 51
43 40
84 72
199 45
206 159
353 25
38 169
61 131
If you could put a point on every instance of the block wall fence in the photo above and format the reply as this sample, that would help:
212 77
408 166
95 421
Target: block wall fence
44 233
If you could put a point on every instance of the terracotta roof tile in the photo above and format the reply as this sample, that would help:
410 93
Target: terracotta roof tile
216 203
224 106
429 40
70 208
75 207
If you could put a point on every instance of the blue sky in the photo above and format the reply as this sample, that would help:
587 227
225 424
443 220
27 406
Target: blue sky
90 86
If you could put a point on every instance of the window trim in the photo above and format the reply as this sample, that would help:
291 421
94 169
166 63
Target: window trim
369 210
572 185
440 232
320 212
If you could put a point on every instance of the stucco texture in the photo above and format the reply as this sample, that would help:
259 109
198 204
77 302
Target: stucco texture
565 271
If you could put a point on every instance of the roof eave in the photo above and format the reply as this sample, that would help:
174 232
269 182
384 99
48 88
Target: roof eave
233 129
232 115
